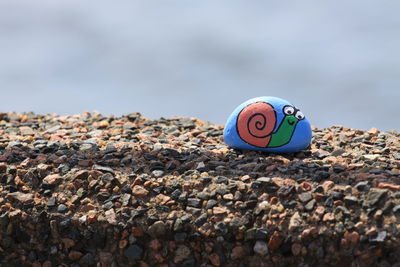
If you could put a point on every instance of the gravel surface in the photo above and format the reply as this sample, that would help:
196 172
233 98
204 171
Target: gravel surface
89 190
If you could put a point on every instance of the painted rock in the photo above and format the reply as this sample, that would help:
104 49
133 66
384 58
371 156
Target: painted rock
268 124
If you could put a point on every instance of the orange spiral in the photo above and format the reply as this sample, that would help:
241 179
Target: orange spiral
255 124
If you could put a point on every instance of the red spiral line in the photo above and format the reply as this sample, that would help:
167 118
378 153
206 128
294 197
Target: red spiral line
255 124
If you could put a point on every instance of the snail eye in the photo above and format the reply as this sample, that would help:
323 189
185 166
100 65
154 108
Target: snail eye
288 110
299 115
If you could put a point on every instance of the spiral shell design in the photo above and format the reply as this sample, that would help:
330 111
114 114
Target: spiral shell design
255 124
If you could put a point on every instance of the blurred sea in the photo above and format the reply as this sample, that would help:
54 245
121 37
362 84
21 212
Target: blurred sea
339 61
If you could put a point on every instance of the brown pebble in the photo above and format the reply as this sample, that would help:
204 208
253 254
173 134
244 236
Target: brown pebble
75 255
155 244
219 211
139 191
328 217
238 252
275 241
68 243
389 186
214 259
296 249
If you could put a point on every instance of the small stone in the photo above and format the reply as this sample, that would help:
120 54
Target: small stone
82 175
105 258
238 252
211 203
108 205
328 217
219 211
182 253
228 196
103 169
201 167
374 196
85 147
215 259
110 216
82 219
68 243
62 208
21 197
51 202
52 179
371 157
338 152
107 178
275 241
296 249
157 229
261 248
321 154
222 180
379 237
251 126
158 173
351 200
305 197
393 187
194 202
75 255
361 186
87 260
396 209
201 220
134 252
26 130
310 205
180 237
139 191
261 234
295 221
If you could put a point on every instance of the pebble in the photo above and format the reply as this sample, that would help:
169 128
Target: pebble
133 252
21 197
194 202
238 252
305 197
52 179
261 248
295 221
374 196
139 191
158 229
62 208
158 173
275 241
182 253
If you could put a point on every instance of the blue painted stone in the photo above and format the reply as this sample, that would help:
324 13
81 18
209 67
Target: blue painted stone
267 124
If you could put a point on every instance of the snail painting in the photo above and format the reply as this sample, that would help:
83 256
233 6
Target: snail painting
268 124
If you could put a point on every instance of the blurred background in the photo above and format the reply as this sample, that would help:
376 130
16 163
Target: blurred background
338 61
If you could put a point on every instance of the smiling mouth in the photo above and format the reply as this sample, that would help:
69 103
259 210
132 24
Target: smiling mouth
290 122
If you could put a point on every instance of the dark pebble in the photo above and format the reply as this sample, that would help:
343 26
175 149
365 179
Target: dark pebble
351 200
201 220
134 252
194 202
362 186
211 203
